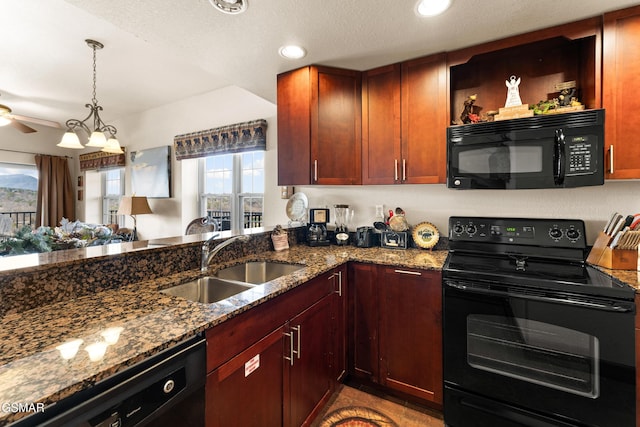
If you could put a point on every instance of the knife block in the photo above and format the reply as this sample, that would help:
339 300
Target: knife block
615 259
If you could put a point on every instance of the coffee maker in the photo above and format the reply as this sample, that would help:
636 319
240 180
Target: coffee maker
317 231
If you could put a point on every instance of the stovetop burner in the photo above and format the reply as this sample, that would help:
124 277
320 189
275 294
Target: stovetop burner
534 253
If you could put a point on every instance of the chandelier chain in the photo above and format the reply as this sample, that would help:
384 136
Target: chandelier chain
94 99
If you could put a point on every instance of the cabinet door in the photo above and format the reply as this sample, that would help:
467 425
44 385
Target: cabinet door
309 374
381 157
363 322
339 324
294 127
424 120
621 62
336 150
411 331
319 126
248 389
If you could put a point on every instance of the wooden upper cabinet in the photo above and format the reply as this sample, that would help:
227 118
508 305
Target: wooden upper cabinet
541 59
621 68
381 125
319 126
404 122
424 120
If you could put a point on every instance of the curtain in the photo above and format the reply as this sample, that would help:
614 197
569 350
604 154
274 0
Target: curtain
55 191
237 138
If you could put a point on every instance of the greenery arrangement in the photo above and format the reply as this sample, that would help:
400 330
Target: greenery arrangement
46 239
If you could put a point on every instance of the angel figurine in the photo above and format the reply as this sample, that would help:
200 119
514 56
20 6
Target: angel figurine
513 93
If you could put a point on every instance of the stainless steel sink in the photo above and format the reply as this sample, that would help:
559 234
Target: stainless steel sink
207 289
257 272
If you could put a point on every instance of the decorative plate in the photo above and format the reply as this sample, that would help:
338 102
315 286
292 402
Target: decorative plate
297 207
425 235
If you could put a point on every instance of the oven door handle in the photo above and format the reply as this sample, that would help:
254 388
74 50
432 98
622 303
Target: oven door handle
587 303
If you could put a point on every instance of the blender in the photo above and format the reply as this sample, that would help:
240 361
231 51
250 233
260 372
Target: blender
343 216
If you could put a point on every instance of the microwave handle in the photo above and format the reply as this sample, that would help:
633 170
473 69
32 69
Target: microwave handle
558 157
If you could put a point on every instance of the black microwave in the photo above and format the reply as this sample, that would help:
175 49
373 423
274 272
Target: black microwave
550 151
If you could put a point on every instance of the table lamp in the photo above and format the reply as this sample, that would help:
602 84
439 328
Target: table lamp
134 205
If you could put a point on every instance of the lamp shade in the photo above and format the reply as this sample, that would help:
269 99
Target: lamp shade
70 140
134 206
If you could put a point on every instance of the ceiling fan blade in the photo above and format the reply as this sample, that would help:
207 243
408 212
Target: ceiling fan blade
37 121
21 127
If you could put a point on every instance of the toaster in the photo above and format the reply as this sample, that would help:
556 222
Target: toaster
367 237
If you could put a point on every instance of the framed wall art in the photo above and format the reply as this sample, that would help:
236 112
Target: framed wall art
151 172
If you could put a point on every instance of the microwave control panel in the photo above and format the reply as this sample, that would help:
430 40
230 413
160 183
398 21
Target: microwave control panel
581 155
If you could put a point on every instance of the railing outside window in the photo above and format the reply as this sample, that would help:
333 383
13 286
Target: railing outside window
21 218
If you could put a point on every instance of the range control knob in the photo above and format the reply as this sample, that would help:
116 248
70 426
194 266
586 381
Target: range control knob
555 233
471 229
573 234
458 229
168 386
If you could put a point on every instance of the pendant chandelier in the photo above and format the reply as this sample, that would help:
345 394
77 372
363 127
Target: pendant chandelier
97 134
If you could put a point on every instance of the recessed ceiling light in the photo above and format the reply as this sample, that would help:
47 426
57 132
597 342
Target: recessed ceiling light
292 52
230 6
432 7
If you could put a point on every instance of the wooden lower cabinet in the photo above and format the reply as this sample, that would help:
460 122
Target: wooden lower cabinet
363 322
637 362
309 382
411 332
395 329
271 366
338 346
248 390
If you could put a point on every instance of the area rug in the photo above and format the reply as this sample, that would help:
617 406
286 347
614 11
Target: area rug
356 416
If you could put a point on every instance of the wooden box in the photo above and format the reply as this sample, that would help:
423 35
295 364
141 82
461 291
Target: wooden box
616 259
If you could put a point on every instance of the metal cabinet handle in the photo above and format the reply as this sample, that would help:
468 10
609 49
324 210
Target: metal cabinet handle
291 351
297 329
413 273
611 158
395 169
315 171
404 169
339 274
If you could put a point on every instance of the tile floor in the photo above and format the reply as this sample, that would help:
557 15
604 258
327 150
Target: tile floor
402 413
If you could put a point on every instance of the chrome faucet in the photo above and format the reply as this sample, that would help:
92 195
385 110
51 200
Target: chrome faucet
208 254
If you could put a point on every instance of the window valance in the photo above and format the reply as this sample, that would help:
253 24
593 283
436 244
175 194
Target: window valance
100 160
237 138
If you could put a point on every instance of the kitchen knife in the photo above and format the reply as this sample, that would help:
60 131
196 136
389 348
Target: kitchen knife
628 220
610 223
617 239
619 225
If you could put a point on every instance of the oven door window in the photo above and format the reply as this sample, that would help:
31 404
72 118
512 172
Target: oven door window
535 352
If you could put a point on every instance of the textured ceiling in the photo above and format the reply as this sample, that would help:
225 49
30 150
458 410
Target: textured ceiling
159 51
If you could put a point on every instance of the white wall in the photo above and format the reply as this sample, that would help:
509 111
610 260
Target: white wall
435 203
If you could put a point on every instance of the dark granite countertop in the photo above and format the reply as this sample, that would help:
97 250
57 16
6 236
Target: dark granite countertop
32 368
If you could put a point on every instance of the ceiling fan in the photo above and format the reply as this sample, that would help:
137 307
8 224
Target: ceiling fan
15 120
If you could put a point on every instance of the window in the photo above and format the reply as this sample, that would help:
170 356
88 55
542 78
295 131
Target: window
112 191
18 193
233 189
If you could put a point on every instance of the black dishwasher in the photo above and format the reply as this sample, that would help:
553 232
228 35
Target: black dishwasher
164 390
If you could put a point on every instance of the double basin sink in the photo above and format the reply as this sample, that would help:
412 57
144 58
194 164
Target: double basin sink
231 281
